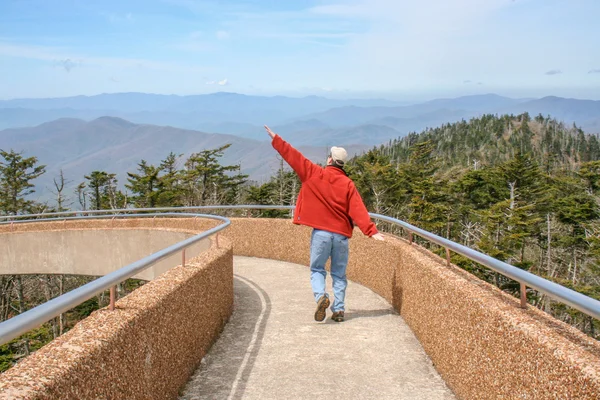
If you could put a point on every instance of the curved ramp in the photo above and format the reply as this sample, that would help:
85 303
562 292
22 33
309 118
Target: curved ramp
273 349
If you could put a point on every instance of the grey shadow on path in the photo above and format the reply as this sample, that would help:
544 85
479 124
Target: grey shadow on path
355 314
224 371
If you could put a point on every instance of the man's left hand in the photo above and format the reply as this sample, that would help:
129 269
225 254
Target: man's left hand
378 236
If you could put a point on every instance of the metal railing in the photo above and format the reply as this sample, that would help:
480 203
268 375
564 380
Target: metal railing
31 319
526 279
7 219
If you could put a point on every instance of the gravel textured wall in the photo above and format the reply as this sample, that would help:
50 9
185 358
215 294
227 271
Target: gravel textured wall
481 342
145 349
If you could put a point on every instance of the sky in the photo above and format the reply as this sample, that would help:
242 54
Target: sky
397 49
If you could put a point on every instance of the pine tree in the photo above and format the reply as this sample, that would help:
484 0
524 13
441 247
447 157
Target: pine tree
427 208
206 181
16 174
103 191
170 182
145 186
377 180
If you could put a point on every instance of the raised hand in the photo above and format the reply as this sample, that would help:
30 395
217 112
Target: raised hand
270 132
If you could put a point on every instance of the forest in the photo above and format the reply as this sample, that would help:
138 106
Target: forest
525 191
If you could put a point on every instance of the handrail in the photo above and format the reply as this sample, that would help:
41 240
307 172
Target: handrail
22 323
568 296
563 294
13 218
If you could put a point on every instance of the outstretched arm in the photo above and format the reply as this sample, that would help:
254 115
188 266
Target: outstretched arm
359 214
300 164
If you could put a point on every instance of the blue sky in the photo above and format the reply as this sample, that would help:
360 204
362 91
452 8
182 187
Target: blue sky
400 49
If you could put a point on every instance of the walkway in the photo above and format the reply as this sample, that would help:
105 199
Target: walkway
273 349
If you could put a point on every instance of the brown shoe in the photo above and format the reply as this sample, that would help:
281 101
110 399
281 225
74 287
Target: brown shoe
338 316
322 305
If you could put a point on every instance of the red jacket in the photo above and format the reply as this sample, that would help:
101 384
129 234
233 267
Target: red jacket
328 199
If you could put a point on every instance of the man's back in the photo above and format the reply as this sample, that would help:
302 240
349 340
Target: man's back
328 199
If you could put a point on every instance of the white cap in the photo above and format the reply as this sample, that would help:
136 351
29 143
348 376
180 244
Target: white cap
339 155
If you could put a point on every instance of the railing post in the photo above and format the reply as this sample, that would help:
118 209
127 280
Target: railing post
410 238
523 295
183 258
447 256
113 291
217 240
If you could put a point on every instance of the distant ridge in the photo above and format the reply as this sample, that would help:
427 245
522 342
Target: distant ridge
116 145
310 120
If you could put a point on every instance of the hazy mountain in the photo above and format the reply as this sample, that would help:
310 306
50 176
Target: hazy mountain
591 126
568 110
405 119
181 111
22 117
314 120
134 102
366 133
461 107
117 146
125 102
483 102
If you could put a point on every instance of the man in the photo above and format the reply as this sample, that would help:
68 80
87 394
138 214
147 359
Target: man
329 203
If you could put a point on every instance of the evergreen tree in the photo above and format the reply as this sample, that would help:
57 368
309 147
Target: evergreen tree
103 191
145 186
170 194
16 174
377 180
426 208
206 181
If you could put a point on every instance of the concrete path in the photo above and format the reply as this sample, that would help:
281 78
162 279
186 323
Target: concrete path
273 349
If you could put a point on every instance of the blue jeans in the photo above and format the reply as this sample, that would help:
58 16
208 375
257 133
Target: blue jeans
323 245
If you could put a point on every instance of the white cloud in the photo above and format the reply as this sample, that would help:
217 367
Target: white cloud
223 82
554 72
423 15
119 18
64 58
222 35
194 42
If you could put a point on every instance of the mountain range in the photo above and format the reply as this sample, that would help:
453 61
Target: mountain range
310 120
